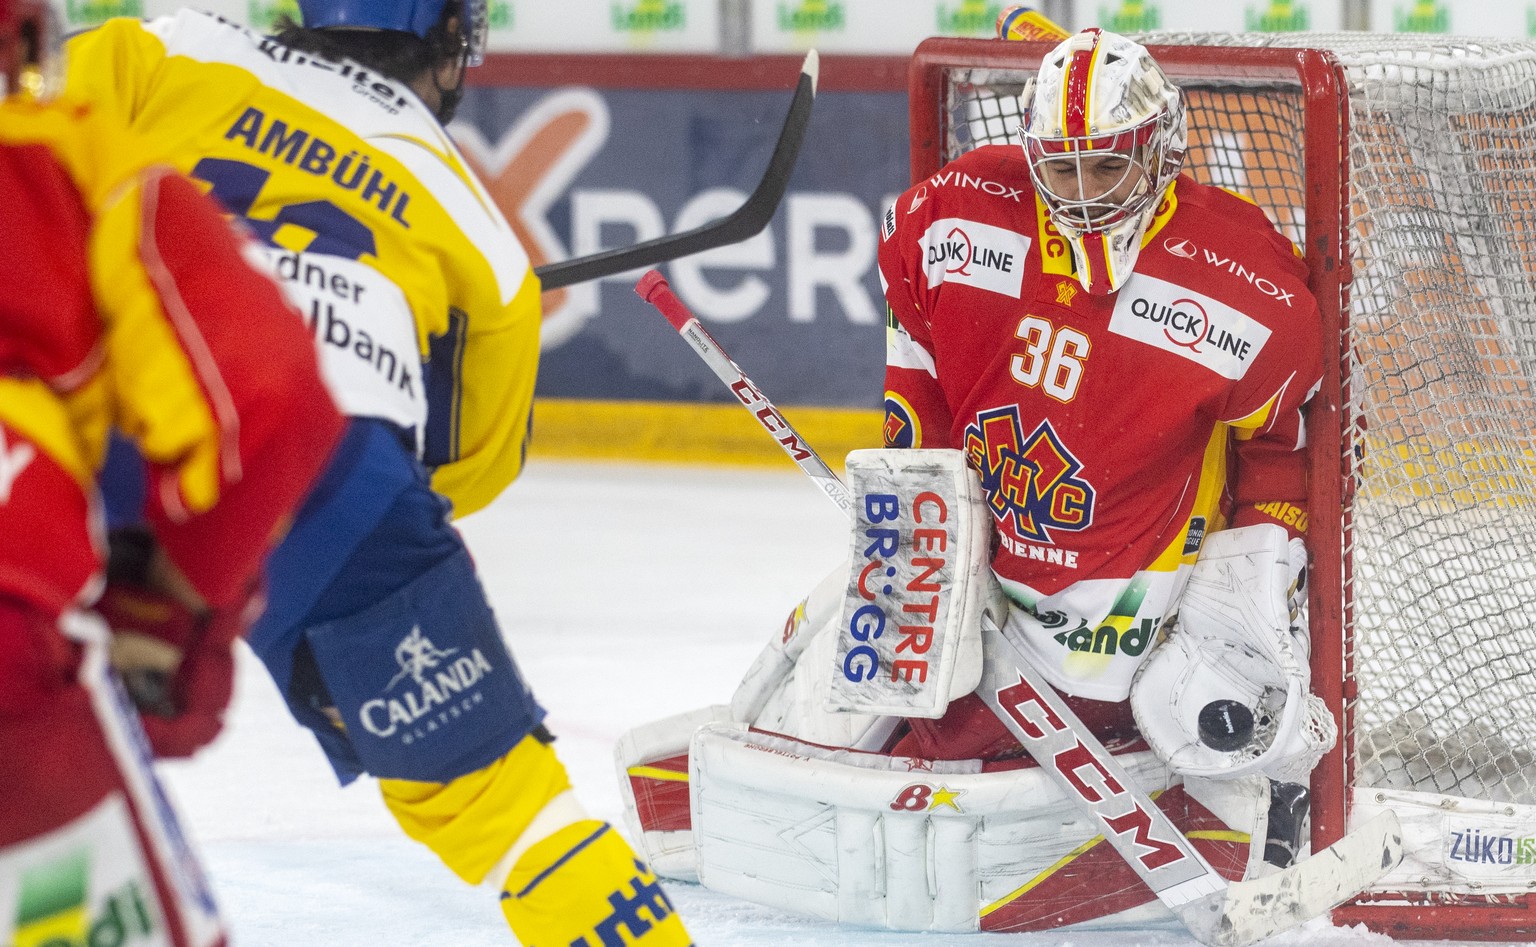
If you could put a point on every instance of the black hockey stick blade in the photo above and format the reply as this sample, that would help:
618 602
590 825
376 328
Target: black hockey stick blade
748 220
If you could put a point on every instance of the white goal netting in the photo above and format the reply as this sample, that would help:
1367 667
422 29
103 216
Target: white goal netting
1439 461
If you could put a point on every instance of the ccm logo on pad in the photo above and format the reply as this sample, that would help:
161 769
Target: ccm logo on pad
1172 318
976 254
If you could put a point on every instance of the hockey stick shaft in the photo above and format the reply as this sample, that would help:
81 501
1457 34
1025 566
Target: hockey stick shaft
653 289
748 220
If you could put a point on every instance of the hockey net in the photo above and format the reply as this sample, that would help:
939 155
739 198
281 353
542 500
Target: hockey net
1406 169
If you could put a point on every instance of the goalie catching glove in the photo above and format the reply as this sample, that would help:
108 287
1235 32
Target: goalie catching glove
1227 694
175 654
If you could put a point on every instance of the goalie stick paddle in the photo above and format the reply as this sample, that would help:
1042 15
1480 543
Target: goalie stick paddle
653 289
748 220
1216 911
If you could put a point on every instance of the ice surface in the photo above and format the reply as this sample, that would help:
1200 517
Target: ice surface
627 593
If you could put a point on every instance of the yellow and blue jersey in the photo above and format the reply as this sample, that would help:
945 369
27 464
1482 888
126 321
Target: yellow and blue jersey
420 299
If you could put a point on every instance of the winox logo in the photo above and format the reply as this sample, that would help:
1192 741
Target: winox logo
976 254
1187 250
445 686
1170 317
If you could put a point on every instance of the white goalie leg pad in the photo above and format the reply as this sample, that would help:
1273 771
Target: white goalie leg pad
879 841
645 757
785 689
908 640
1235 640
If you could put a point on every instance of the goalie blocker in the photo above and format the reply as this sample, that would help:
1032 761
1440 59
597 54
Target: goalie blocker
799 746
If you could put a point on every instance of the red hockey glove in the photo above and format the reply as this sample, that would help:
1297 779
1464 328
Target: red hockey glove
176 658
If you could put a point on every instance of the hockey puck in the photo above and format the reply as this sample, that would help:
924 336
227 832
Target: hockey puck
1225 725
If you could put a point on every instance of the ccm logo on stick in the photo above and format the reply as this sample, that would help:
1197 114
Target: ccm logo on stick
1087 775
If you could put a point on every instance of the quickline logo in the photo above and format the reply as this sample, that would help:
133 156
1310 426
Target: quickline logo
1281 16
94 12
262 15
1132 16
648 16
1425 16
971 16
51 909
812 15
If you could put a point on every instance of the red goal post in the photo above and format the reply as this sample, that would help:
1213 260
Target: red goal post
1405 167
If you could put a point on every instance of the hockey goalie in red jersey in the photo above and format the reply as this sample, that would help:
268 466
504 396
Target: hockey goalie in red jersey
1096 375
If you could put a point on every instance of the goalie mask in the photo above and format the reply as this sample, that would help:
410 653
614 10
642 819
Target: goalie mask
1104 131
30 59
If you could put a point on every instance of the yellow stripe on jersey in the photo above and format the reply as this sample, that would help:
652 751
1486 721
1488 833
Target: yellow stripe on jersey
1244 428
1213 481
1055 257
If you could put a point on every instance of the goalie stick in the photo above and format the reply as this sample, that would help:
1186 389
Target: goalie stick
1216 911
746 221
653 289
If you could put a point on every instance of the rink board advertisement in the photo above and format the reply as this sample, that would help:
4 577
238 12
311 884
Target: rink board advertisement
579 169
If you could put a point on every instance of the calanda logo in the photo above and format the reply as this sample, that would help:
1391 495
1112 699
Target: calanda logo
648 16
812 15
969 17
442 684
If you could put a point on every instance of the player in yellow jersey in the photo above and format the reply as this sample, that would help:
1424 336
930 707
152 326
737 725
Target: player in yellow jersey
328 141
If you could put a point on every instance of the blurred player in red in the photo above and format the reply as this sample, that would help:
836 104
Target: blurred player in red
128 304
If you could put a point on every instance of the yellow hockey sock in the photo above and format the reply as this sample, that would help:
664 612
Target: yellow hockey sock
583 886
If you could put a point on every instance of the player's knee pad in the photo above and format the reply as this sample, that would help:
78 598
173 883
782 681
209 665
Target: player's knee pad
584 885
473 821
422 681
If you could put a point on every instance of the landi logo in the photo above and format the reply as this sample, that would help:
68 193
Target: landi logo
262 17
80 13
1132 16
501 15
649 16
970 17
824 16
1425 16
1282 16
53 910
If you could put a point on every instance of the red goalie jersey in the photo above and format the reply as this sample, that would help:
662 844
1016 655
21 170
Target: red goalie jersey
1110 432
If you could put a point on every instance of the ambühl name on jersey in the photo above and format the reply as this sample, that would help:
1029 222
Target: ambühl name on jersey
312 154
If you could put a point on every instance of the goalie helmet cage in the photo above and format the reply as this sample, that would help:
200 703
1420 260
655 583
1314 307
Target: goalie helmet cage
1405 166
